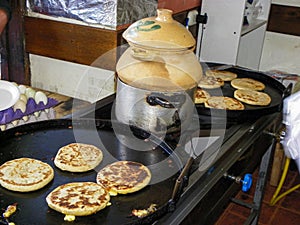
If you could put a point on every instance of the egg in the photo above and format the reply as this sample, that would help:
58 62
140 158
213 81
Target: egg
15 122
30 93
40 97
22 88
20 105
37 113
14 83
23 98
2 127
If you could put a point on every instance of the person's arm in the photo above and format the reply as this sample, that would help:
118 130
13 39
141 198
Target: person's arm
5 14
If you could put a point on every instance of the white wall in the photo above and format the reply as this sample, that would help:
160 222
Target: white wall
281 51
71 79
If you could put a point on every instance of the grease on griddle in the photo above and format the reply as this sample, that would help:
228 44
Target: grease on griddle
140 213
10 210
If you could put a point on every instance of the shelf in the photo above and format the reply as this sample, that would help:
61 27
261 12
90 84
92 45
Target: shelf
235 43
255 23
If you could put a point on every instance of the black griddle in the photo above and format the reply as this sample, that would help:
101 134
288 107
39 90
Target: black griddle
41 141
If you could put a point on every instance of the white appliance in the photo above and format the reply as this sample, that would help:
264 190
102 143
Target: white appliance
227 38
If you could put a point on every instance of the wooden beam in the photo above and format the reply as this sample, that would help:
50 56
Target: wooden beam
70 42
284 19
178 5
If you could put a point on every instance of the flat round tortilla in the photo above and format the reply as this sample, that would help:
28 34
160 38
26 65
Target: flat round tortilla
201 96
221 74
252 97
227 103
78 157
25 174
78 198
247 84
209 82
123 177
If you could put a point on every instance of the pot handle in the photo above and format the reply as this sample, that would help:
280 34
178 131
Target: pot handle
158 99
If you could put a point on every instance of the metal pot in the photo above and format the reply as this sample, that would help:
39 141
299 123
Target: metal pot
157 75
154 111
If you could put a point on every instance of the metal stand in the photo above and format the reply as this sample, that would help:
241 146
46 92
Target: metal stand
260 187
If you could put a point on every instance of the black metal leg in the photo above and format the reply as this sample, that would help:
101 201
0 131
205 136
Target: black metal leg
260 186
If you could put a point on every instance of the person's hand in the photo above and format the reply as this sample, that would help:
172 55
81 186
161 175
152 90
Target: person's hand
3 20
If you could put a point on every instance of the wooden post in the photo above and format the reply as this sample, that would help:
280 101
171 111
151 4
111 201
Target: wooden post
15 62
277 164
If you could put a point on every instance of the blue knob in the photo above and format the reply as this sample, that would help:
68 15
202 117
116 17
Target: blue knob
247 182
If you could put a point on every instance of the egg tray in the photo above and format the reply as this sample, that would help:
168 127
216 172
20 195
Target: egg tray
9 115
47 114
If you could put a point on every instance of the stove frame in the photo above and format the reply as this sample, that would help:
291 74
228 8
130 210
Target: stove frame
251 142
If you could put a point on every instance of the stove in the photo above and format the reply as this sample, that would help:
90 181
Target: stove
231 147
195 172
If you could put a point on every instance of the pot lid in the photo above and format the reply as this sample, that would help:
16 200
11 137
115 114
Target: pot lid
161 32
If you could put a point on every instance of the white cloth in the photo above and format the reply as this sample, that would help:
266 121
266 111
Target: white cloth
291 118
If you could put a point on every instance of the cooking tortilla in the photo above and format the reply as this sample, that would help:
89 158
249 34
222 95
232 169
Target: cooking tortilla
78 198
78 157
221 74
253 97
247 84
25 174
227 103
123 177
210 82
201 96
